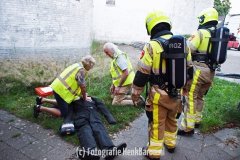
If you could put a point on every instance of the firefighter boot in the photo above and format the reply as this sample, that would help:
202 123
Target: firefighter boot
144 150
184 133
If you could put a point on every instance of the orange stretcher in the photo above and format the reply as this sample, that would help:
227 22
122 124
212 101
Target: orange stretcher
44 91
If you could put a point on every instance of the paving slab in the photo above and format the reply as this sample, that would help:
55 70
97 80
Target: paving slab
215 153
7 132
20 139
196 147
182 153
37 149
189 143
3 145
5 117
210 140
23 140
9 153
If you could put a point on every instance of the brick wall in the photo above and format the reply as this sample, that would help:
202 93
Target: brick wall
56 27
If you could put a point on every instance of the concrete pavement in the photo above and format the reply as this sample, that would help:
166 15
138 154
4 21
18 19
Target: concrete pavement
24 140
224 144
232 64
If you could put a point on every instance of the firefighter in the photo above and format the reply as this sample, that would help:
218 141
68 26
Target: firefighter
161 108
67 87
122 75
203 74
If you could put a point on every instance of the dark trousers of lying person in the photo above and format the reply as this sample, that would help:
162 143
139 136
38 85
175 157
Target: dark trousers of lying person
90 129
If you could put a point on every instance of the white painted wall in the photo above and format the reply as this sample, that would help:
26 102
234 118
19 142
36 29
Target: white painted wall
45 26
234 22
125 22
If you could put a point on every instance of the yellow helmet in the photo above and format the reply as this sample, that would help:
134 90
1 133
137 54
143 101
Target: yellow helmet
155 18
207 15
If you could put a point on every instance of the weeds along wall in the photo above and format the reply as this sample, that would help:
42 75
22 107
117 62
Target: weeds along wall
42 70
53 27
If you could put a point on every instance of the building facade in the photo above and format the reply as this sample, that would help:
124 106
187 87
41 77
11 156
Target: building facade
56 27
124 20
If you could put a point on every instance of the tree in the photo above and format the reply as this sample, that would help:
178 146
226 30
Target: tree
222 6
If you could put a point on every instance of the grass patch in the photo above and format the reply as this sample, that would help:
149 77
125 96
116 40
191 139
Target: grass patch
19 100
18 78
221 106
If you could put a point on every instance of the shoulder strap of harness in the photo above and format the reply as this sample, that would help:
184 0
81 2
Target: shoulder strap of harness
164 43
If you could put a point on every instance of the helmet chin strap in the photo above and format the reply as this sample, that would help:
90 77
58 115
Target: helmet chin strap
206 26
161 33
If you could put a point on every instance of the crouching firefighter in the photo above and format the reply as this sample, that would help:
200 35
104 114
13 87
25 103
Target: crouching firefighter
163 64
208 47
91 131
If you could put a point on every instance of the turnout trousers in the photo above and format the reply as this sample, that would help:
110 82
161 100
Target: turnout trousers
162 127
194 93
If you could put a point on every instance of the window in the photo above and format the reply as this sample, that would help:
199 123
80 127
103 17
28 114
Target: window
110 2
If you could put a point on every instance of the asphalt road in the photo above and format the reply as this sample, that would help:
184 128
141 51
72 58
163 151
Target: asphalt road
232 64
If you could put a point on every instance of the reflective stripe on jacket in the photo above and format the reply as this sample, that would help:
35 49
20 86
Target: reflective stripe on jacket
199 40
66 84
116 72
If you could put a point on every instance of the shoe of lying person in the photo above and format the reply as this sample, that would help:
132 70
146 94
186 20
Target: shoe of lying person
36 111
67 129
115 151
38 100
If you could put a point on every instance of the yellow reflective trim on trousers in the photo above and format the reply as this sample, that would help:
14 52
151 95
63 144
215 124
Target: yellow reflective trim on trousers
155 150
198 118
156 142
190 120
155 115
155 147
190 116
192 89
155 121
170 143
172 135
190 125
170 138
156 98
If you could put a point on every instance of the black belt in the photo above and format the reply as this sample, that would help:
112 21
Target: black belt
203 58
157 80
